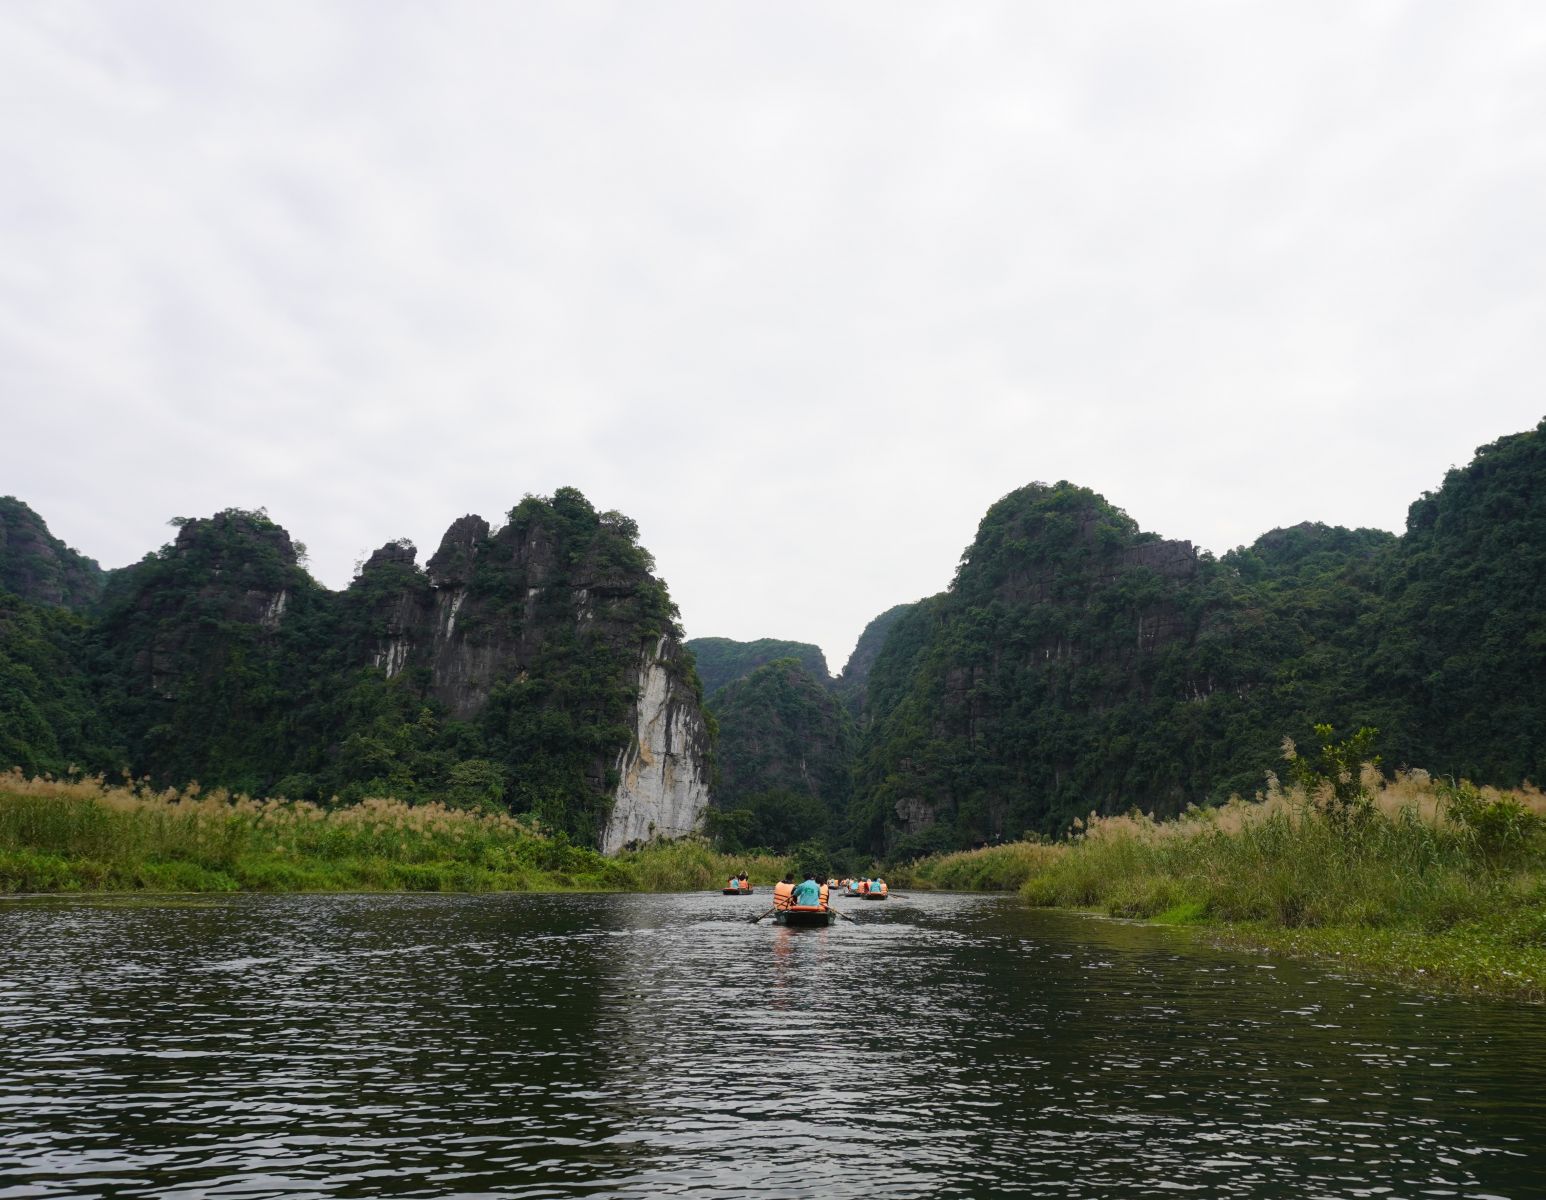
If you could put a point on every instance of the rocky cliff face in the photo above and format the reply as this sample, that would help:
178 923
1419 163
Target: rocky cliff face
40 568
554 615
542 659
662 774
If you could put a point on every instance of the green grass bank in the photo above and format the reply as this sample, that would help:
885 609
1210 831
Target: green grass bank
84 836
1426 881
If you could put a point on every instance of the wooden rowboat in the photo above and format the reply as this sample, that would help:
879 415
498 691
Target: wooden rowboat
874 895
737 891
804 917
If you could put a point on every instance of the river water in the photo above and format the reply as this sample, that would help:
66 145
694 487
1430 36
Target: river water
558 1046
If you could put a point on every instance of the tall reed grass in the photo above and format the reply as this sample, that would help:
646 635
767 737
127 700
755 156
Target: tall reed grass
84 834
1431 878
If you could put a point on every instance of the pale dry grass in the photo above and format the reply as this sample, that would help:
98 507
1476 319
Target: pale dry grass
1409 795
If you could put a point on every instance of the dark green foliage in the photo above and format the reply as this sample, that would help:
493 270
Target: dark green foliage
38 567
776 821
219 659
204 652
1462 649
1077 663
785 754
853 684
722 661
48 714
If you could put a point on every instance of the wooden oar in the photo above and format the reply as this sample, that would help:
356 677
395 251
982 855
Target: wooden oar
769 913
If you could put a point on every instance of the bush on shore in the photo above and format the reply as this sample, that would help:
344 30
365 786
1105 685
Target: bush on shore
84 835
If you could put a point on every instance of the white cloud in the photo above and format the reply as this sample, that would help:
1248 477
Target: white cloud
803 288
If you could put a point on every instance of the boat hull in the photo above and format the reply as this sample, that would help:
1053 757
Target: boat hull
805 918
737 891
874 895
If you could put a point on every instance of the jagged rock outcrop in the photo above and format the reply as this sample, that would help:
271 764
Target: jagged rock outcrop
555 613
38 567
542 658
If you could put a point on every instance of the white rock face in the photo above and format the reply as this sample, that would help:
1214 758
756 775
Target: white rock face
662 792
274 611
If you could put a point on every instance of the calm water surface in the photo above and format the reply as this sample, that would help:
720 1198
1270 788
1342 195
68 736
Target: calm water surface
547 1046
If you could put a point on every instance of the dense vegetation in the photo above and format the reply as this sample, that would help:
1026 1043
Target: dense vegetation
36 566
1415 877
853 683
48 712
785 755
218 659
79 835
1077 662
721 661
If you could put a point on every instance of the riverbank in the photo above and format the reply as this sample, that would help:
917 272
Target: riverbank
85 836
1429 882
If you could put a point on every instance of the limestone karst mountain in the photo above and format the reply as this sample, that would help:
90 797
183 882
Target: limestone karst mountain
536 668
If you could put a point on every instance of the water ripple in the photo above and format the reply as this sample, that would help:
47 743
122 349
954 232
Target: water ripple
546 1046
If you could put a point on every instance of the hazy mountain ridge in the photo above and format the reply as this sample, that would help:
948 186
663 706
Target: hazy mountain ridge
721 661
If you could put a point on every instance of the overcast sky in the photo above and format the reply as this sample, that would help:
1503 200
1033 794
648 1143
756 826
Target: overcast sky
801 287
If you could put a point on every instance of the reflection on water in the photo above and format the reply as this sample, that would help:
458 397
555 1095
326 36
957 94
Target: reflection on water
661 1045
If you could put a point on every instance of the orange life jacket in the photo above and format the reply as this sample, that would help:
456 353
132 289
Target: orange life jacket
823 900
781 895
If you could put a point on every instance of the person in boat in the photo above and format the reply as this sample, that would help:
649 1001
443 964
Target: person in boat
807 894
733 885
782 892
744 884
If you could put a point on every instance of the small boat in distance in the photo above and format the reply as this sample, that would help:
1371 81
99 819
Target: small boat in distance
738 885
876 889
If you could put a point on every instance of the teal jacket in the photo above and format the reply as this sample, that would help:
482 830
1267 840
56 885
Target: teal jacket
807 893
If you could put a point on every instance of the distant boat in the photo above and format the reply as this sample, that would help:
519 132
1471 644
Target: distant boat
879 893
745 891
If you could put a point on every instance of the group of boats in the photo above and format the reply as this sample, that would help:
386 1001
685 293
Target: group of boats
786 912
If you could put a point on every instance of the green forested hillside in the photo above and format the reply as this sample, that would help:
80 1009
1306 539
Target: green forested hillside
1078 663
502 677
853 684
1461 656
49 719
723 660
785 756
37 567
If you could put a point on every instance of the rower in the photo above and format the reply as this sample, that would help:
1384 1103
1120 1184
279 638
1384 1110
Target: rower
783 892
807 894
